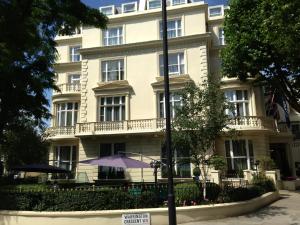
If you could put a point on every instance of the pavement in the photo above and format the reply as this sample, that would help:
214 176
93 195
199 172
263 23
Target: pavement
285 211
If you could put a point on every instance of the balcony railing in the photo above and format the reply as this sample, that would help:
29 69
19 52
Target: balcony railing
60 131
67 88
252 122
150 126
126 126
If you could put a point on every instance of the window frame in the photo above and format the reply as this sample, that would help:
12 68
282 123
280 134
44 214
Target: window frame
106 38
181 3
57 157
245 102
122 116
111 170
248 156
221 36
173 101
73 54
121 73
148 4
73 81
178 31
216 7
176 165
129 3
180 67
59 112
113 9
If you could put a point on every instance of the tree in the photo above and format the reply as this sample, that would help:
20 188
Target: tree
262 40
198 122
27 53
24 145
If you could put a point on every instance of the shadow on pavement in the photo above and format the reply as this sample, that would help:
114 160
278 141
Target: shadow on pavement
268 212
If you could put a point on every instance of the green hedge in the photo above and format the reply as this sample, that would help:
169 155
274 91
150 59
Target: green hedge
66 200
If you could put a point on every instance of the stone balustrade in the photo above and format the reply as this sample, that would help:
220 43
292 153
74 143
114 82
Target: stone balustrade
151 126
67 88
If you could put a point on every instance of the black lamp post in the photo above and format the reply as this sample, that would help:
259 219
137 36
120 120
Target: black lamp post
171 198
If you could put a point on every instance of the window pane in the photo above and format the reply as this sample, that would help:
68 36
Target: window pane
108 114
105 150
240 164
119 147
227 148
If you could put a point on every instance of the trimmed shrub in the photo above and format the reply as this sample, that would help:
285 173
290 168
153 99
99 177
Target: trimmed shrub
264 182
213 191
187 193
66 200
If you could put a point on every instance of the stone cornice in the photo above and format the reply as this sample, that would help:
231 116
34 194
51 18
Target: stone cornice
148 44
67 66
121 85
174 81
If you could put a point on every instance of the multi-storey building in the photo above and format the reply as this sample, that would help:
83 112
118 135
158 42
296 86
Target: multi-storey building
112 98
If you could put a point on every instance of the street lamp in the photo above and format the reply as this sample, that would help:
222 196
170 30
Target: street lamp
171 197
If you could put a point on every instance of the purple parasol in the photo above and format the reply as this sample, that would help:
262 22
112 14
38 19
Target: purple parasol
117 161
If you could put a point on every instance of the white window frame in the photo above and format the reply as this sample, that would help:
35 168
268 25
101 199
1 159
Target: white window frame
74 54
178 29
60 110
173 101
113 105
221 36
129 3
245 102
104 69
57 161
216 7
180 70
148 4
247 156
72 80
120 36
113 9
180 2
177 163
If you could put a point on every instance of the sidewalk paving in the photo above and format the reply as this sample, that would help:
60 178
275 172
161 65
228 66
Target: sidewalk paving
285 211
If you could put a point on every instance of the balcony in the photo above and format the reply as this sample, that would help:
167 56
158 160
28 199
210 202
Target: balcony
60 132
67 89
149 126
252 123
115 127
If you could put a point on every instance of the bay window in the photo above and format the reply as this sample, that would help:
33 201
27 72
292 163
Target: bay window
66 114
176 64
112 108
108 10
113 36
240 100
239 154
112 70
129 7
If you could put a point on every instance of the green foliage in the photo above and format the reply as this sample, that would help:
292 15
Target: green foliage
27 53
105 199
264 182
199 121
148 199
186 193
266 163
231 194
24 145
262 40
189 193
218 162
